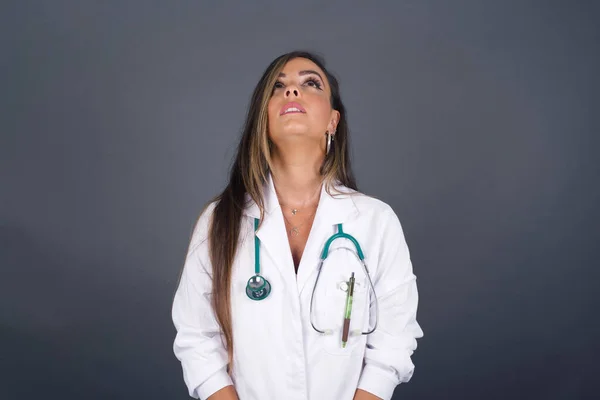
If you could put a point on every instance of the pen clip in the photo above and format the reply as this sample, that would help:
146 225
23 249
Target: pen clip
343 286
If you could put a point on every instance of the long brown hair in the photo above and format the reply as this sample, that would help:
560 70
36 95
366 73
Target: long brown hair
248 175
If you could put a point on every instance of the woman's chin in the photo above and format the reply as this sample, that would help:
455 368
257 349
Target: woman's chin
295 132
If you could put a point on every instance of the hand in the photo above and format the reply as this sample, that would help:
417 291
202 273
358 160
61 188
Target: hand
364 395
227 393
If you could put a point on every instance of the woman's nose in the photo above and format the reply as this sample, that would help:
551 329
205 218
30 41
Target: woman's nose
291 91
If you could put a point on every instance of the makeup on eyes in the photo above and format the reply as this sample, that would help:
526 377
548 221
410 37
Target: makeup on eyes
316 83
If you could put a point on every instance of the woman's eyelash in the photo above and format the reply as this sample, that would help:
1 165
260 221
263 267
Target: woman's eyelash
314 81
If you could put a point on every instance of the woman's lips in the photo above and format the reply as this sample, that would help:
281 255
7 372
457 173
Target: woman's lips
291 108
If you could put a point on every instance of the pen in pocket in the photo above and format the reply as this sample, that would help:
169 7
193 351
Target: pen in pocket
348 311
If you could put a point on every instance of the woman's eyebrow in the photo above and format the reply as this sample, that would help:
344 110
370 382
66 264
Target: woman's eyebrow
304 72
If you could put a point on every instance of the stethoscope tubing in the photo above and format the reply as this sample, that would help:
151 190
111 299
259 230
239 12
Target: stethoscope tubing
261 292
366 271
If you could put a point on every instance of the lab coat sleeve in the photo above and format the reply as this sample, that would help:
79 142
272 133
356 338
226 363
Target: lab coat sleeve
387 361
198 343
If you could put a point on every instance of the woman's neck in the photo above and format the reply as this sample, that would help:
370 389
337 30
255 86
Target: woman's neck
297 180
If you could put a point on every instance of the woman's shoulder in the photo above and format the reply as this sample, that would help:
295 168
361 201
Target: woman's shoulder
365 203
378 216
200 229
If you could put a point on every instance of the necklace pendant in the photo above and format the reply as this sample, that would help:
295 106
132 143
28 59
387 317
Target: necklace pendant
295 231
294 211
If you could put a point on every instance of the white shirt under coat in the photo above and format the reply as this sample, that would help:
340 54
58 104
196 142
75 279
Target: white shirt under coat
277 353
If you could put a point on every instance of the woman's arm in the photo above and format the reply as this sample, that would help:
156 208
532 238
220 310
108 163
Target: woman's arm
389 349
198 341
227 393
362 395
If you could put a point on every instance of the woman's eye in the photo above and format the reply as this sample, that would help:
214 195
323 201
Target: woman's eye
313 83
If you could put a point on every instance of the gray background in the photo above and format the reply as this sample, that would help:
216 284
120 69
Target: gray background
476 120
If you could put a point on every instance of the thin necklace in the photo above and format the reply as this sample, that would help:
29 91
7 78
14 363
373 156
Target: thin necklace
295 231
296 210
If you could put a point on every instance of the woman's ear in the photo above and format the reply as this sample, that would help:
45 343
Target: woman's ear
335 118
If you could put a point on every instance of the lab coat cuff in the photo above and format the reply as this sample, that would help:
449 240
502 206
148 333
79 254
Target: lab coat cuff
217 381
375 382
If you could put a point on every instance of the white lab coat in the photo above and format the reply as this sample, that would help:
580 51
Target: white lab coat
277 353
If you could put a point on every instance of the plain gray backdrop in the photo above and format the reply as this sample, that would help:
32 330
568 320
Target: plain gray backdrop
477 121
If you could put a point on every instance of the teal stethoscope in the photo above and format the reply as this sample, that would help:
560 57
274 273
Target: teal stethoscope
258 288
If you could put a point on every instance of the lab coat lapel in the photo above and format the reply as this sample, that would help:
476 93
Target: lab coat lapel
272 234
335 208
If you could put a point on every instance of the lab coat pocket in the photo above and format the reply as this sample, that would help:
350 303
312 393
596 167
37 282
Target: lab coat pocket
335 311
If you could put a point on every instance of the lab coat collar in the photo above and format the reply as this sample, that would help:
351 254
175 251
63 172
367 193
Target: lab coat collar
333 209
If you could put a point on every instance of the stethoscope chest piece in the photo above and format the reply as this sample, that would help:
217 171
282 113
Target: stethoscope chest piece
258 288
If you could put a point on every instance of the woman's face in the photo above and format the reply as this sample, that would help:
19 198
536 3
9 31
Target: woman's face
300 105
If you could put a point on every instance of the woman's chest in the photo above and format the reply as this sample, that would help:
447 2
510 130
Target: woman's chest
315 299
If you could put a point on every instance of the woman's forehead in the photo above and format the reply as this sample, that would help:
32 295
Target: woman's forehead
296 65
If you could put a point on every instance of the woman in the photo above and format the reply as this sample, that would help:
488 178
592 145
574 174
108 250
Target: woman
257 317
